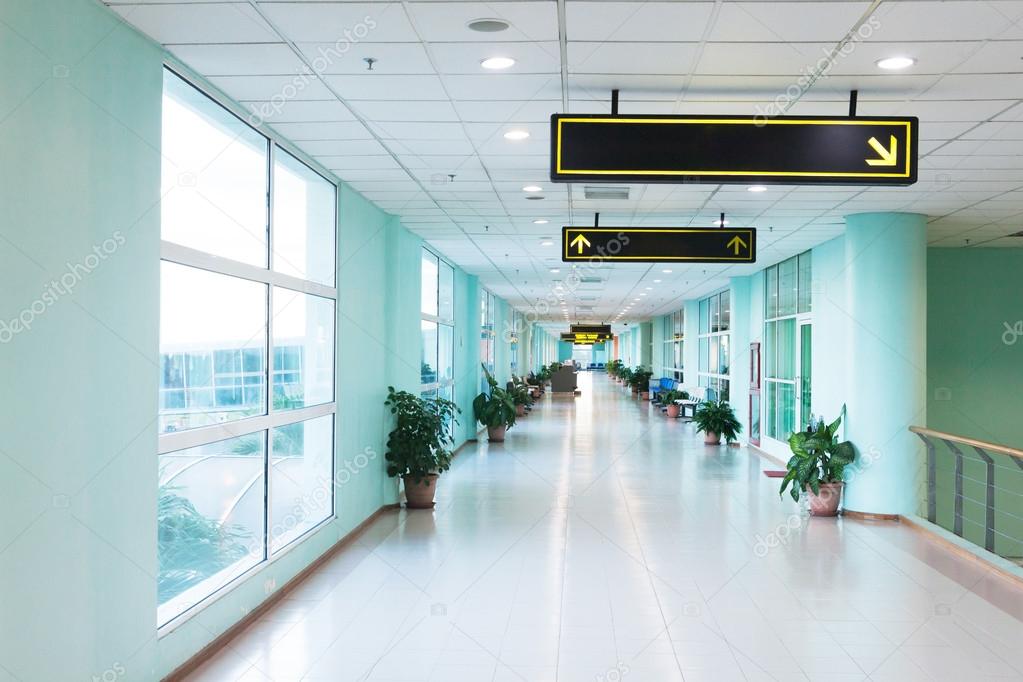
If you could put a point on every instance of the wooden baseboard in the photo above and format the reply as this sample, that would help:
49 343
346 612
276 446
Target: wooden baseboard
973 557
211 649
870 516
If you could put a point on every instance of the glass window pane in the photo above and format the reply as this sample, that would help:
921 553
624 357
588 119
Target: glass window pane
787 287
301 485
786 349
726 311
723 358
428 371
214 177
429 284
305 206
715 313
303 343
446 306
203 315
705 355
715 346
805 282
445 353
771 292
210 519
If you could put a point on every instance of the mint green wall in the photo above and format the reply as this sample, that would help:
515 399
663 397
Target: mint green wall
691 347
564 351
79 164
743 333
467 352
646 344
974 378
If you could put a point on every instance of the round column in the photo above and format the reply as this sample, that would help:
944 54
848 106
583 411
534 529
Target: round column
886 299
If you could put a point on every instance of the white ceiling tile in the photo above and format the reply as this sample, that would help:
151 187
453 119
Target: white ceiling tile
948 20
786 21
300 111
448 21
408 110
341 24
390 58
370 86
272 88
507 111
504 86
637 21
342 130
240 60
465 58
625 57
218 22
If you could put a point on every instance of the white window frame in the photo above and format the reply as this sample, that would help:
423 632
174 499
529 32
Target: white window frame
181 440
710 334
441 321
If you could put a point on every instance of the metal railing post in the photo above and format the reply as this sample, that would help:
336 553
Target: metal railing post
957 519
989 518
932 480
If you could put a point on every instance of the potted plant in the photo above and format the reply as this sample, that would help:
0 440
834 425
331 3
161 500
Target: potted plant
668 398
716 419
419 445
818 465
613 368
520 396
639 379
495 410
625 375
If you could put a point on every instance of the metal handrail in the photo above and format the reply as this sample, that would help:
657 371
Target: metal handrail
955 445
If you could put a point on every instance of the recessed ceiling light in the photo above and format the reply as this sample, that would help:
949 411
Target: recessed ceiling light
649 288
895 63
546 242
719 223
756 188
497 63
666 271
532 188
516 135
555 270
488 25
657 281
540 221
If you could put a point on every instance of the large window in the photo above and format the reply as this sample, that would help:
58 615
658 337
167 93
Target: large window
487 337
247 339
786 349
715 343
674 340
437 373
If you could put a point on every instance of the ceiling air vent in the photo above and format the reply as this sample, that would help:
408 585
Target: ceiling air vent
606 192
590 280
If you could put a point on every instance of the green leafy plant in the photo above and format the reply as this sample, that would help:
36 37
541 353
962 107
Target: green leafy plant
544 374
625 374
639 379
520 394
193 547
817 457
717 417
420 443
496 408
670 396
614 367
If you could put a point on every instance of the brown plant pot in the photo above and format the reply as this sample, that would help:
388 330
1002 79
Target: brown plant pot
711 438
826 504
495 434
644 395
674 410
420 495
520 410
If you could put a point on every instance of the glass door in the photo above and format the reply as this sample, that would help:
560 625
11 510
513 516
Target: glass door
804 378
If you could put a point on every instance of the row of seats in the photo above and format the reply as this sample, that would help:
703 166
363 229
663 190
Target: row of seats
697 394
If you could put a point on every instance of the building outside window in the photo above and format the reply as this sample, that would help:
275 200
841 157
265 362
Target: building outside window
247 342
787 348
674 339
437 327
715 343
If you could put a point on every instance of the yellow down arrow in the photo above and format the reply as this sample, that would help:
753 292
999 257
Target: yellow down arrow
736 243
580 240
888 156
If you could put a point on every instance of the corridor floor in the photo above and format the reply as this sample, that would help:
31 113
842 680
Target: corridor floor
603 542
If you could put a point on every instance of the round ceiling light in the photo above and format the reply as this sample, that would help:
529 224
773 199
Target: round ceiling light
532 188
488 25
540 221
756 188
516 135
895 63
497 63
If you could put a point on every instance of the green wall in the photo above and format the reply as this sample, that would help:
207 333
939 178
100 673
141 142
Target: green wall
975 380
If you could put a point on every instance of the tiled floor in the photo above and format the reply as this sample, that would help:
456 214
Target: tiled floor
603 543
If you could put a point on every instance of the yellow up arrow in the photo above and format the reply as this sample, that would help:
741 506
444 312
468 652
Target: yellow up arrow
581 241
736 243
888 156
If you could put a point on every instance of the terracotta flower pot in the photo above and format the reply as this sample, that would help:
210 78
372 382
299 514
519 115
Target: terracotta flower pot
674 410
420 495
520 410
826 504
496 433
711 438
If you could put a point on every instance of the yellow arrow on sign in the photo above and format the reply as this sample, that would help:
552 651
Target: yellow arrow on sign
736 243
580 240
888 156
